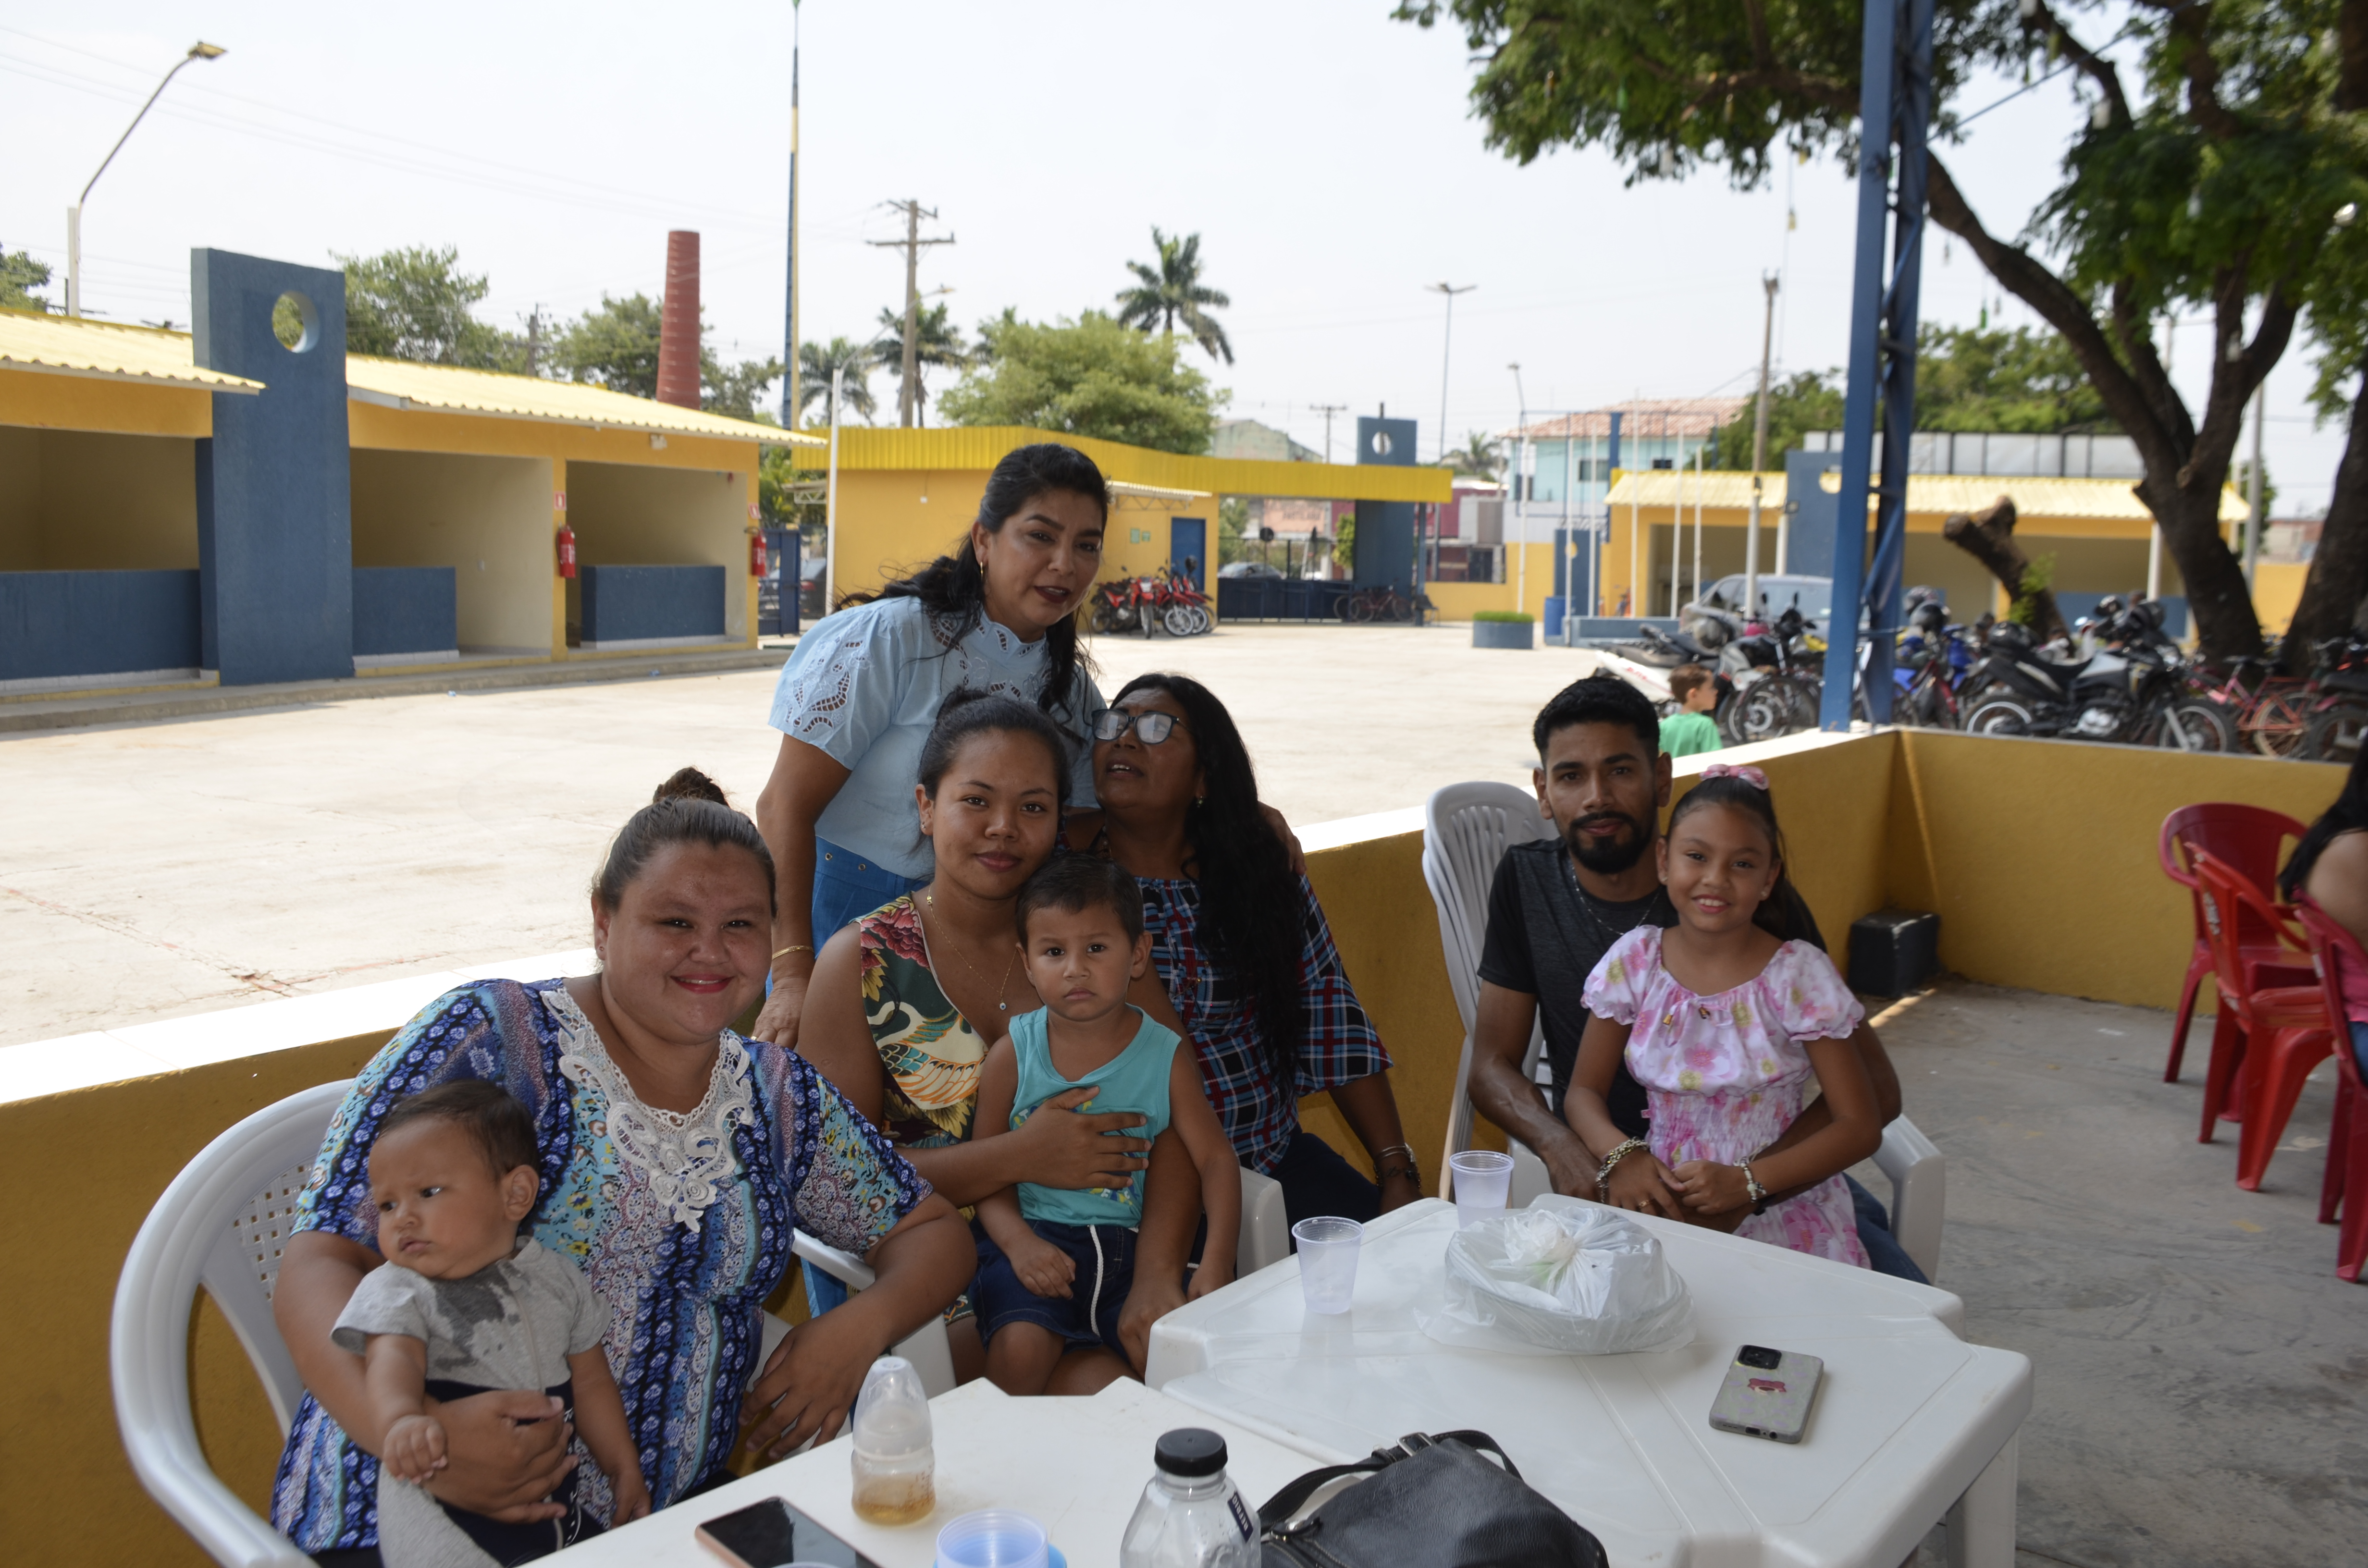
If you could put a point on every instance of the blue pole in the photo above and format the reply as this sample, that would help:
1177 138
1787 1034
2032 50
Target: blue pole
1877 78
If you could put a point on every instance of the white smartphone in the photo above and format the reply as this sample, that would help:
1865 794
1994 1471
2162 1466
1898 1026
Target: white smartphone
1768 1394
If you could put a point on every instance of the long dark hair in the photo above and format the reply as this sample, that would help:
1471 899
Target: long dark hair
954 587
1252 910
1784 913
2350 811
967 711
688 808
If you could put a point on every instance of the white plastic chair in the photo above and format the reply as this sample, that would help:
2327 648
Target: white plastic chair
1266 1226
926 1346
1467 830
221 1223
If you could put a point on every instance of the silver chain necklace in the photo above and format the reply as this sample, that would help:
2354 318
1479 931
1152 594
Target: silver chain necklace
1602 928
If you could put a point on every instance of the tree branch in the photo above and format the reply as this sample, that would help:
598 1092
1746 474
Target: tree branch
2087 61
2137 341
2191 26
2351 47
1755 16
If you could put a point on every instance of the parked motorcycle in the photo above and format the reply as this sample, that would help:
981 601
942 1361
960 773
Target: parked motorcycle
2131 690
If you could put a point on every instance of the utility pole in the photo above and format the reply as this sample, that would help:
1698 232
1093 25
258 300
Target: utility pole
1759 455
912 244
789 326
534 341
1327 410
1445 348
2255 522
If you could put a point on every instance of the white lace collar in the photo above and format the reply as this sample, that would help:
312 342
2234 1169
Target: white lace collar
999 641
686 1156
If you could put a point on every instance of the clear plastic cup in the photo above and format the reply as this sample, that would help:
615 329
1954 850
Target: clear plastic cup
892 1455
1327 1261
1482 1176
993 1537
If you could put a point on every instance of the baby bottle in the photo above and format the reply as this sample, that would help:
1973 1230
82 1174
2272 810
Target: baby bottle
894 1461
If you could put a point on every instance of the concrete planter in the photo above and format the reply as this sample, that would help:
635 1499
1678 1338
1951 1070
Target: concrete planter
1504 633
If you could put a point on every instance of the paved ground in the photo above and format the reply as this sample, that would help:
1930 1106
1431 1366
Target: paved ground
2202 1374
161 869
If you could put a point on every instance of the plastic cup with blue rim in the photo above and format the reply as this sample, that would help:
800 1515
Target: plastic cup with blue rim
994 1537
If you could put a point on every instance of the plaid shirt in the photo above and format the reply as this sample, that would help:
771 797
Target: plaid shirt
1341 1047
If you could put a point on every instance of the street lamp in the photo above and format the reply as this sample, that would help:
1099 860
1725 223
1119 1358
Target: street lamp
197 51
1451 290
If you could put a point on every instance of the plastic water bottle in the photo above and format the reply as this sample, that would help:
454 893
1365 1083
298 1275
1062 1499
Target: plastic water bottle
1190 1516
894 1460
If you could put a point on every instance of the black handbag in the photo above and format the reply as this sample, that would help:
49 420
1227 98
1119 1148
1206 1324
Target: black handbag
1431 1502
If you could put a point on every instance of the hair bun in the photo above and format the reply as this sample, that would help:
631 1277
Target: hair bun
689 784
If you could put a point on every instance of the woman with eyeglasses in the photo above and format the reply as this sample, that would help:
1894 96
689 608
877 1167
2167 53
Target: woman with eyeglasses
1241 948
859 694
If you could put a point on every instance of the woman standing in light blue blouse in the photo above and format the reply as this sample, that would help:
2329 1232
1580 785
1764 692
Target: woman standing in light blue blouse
860 691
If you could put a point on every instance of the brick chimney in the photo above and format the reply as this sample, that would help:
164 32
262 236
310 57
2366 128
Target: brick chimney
679 329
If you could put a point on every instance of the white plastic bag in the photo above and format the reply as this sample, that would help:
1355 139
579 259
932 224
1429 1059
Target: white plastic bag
1576 1280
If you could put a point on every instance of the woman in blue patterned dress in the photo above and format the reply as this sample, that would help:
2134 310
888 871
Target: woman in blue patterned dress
677 1160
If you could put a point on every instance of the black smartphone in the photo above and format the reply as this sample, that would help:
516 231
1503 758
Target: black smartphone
770 1534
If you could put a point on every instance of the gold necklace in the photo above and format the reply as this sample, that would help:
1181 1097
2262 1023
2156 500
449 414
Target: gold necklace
1002 992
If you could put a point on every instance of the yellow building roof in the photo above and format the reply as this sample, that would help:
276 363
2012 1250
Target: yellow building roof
981 447
2110 500
446 389
67 346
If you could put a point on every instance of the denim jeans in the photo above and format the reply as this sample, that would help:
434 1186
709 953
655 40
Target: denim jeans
1882 1249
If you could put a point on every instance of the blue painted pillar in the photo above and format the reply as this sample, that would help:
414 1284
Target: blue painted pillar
275 509
1384 553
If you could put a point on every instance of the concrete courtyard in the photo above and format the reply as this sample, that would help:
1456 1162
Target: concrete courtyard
156 869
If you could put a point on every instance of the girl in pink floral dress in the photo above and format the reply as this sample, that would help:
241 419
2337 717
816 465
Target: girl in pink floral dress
1725 1022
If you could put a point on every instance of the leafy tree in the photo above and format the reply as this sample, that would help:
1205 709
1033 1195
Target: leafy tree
1809 399
19 276
937 345
2021 382
1233 518
817 362
2213 186
1086 377
1172 291
414 303
733 389
614 345
1477 457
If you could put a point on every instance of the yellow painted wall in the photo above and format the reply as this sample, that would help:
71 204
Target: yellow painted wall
489 519
656 516
43 400
2038 854
2277 591
83 501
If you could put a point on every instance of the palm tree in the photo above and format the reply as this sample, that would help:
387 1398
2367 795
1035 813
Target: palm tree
818 361
1172 291
1477 459
936 345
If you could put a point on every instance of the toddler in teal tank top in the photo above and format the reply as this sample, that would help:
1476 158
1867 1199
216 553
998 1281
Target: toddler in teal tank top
1057 1264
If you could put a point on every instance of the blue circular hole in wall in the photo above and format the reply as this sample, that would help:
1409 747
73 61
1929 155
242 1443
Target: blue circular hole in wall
295 323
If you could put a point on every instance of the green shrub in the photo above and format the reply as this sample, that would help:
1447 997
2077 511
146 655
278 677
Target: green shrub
1521 617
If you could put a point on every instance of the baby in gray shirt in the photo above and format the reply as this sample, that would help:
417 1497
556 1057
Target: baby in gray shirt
464 1305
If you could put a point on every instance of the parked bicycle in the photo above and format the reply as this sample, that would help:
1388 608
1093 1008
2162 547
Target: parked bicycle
1382 603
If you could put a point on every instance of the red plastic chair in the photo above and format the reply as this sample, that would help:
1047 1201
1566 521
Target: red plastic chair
2247 839
2273 1036
2346 1146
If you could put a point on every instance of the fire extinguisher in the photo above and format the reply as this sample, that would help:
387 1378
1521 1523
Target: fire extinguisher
756 552
567 550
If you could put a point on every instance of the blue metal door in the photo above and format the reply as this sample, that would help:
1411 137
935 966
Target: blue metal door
1188 549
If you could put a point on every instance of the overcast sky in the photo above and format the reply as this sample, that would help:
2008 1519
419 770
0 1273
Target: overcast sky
1324 153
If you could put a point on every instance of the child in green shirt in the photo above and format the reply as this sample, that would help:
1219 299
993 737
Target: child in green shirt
1691 729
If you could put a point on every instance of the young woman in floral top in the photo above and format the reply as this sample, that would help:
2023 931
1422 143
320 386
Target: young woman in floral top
677 1158
907 999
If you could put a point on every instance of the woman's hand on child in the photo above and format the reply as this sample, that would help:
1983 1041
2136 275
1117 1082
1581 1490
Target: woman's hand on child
1044 1268
1642 1184
1075 1150
413 1448
633 1498
1712 1188
508 1453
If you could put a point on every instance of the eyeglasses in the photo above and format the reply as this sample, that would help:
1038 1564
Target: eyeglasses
1149 728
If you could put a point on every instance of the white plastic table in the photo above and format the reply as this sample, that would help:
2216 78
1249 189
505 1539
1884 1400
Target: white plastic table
1079 1466
1911 1423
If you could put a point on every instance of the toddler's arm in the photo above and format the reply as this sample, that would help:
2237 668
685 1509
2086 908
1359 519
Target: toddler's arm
1639 1181
1044 1268
394 1371
600 1416
1191 1120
